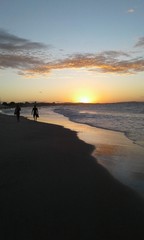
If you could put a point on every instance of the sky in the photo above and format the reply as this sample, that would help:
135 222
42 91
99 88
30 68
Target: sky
71 50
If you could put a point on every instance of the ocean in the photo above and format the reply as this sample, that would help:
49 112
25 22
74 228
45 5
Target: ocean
123 117
116 130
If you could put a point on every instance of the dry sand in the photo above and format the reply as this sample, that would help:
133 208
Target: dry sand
52 188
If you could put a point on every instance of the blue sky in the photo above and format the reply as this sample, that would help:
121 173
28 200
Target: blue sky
62 50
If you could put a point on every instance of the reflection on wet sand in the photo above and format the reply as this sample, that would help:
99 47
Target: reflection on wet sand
105 150
120 156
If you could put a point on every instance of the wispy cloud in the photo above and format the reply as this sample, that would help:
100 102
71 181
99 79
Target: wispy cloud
106 62
11 42
18 61
24 55
131 10
16 52
140 42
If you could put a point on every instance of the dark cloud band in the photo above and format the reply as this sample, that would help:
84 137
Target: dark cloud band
11 42
22 54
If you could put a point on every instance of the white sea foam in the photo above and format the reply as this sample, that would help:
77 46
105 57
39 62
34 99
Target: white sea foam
123 117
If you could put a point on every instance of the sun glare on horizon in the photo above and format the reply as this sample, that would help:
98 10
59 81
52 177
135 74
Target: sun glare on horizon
85 96
84 99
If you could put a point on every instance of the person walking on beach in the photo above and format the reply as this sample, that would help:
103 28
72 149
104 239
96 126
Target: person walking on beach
17 112
35 112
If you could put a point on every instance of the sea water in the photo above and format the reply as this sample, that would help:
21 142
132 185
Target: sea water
124 120
124 117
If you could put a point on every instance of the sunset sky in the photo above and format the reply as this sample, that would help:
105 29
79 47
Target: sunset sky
71 50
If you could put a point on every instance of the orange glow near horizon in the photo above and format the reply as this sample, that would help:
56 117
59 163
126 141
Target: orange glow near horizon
84 99
84 96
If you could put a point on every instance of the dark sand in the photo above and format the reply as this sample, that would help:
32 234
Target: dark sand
52 188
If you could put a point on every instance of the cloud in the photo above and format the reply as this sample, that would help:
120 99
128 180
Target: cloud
131 10
140 42
106 62
11 42
18 61
31 58
19 53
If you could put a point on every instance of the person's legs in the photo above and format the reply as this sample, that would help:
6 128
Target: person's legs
18 117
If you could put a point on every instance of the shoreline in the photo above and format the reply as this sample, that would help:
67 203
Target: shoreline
113 150
52 187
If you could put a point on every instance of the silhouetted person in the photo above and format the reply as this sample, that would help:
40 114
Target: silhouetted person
35 112
17 111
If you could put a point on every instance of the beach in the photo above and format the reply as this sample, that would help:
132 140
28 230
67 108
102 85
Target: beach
53 188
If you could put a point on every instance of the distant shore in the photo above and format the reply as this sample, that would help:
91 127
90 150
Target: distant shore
52 188
43 104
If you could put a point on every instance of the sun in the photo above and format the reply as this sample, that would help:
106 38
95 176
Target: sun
84 96
84 99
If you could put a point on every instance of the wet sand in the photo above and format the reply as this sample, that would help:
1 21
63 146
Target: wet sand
52 188
113 150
